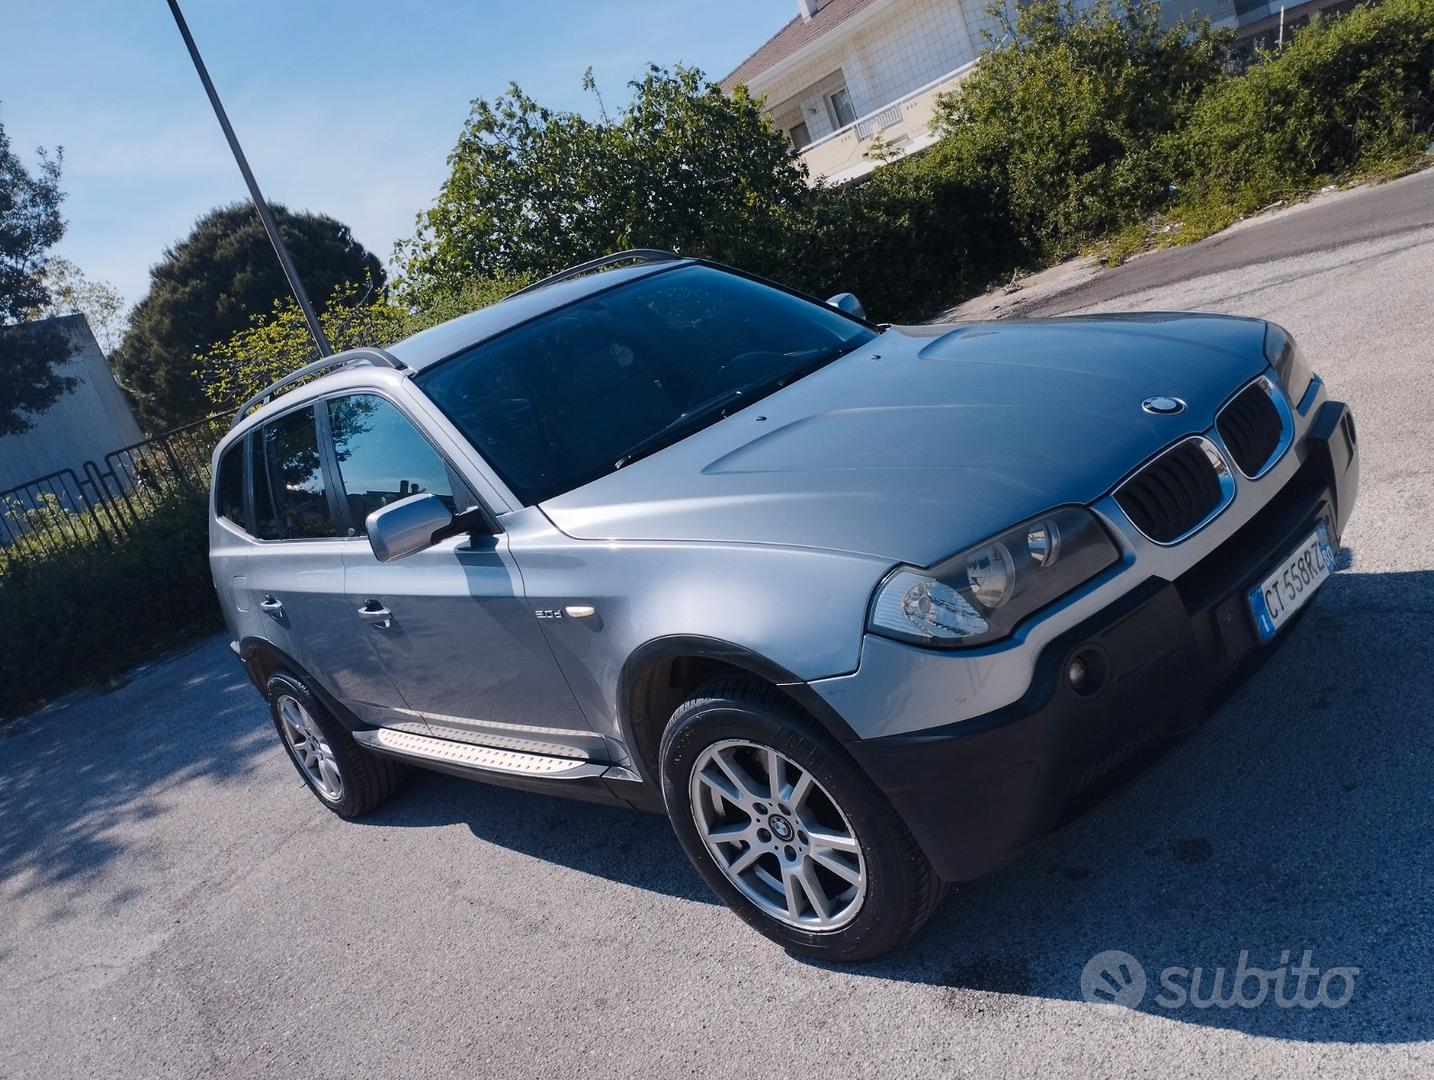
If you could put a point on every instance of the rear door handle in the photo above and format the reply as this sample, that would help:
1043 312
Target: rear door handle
272 605
375 613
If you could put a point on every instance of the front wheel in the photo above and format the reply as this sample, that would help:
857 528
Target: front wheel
787 830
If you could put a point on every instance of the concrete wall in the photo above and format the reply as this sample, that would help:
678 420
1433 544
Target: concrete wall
83 425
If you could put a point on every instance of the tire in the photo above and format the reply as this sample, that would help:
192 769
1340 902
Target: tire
347 779
743 723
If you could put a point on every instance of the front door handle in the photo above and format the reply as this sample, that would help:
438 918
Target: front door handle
375 613
272 605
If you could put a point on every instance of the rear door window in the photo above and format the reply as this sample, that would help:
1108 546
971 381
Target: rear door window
296 502
230 489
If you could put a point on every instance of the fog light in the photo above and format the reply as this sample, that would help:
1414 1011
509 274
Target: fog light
1087 672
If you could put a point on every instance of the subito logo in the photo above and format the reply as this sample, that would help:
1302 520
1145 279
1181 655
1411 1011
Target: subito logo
1113 978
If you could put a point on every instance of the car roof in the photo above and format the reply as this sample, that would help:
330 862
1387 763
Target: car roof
428 347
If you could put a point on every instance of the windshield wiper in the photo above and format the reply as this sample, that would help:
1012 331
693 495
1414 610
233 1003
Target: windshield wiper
678 426
721 404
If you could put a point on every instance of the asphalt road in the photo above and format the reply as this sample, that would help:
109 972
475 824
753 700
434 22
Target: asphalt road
175 904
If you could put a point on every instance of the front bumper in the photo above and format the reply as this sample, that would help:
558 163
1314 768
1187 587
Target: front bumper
976 792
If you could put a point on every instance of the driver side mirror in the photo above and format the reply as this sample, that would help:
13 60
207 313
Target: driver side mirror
413 524
845 301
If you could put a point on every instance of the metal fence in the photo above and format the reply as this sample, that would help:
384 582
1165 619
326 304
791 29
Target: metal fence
66 511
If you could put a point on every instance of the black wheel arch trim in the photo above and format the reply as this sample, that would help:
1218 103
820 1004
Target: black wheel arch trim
262 659
709 648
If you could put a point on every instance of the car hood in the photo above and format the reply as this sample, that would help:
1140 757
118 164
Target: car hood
931 438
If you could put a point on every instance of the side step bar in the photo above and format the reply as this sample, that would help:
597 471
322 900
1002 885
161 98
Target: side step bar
483 759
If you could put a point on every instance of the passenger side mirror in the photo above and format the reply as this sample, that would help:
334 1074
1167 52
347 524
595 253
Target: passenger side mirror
407 526
845 301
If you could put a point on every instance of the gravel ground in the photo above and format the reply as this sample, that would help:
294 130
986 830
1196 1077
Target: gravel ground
177 905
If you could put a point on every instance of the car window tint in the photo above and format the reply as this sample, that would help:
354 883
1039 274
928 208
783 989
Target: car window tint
230 489
382 457
558 401
295 477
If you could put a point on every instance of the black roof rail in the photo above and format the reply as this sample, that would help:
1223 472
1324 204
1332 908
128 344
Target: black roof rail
377 357
640 254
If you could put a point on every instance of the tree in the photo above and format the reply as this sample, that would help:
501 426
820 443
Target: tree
532 190
211 285
98 301
30 224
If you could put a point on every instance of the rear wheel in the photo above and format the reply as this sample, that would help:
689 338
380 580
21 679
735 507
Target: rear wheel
787 830
343 775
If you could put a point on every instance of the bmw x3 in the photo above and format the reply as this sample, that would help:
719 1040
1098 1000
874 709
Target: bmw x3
865 610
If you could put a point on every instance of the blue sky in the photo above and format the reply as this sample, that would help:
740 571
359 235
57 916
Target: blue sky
344 106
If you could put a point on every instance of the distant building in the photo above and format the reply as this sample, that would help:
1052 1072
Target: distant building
80 426
844 72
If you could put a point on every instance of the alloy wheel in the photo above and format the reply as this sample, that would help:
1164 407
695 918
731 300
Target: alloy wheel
311 749
778 835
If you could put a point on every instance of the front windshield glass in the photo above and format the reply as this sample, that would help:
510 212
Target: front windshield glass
590 387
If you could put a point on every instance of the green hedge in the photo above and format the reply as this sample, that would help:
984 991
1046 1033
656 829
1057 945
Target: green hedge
1064 127
905 240
1349 95
88 614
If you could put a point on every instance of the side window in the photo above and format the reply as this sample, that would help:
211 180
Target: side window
382 457
229 492
294 477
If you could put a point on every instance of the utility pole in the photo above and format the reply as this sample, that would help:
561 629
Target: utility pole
265 214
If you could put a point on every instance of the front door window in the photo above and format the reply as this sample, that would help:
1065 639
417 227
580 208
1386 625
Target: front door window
382 458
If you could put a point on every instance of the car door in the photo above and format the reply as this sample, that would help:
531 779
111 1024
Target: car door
449 624
294 572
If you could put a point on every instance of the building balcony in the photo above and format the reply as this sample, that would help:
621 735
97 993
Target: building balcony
904 127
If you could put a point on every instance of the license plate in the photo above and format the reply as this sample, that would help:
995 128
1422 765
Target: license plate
1292 583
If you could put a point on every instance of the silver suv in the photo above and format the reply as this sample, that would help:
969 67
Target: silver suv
863 609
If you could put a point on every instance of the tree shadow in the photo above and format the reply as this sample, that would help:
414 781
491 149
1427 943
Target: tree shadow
72 779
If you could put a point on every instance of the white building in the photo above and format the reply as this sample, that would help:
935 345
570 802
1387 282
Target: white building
843 72
82 425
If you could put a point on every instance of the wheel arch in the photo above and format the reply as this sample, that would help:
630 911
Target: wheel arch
660 674
262 659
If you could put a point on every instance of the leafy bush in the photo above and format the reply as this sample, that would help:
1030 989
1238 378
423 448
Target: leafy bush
89 613
909 239
1349 94
1063 126
532 190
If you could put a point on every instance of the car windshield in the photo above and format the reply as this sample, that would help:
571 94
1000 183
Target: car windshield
593 386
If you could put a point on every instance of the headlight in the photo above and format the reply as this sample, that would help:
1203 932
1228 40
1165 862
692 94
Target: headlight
982 593
1284 356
